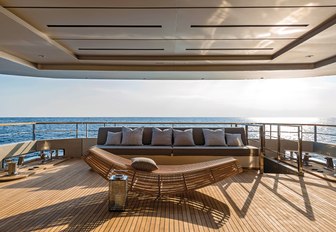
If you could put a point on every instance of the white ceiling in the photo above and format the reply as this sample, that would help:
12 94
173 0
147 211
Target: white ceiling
182 39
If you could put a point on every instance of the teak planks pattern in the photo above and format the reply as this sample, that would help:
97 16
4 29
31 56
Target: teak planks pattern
70 197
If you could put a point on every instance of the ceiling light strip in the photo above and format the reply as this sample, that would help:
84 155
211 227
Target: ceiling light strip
175 39
175 58
171 7
121 49
228 49
240 67
104 26
250 25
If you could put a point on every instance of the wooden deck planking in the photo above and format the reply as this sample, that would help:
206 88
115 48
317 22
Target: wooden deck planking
69 197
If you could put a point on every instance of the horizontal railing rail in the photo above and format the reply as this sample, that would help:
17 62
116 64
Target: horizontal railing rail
313 135
26 131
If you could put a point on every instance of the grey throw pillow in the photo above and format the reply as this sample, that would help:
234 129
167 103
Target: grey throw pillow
162 137
214 137
144 164
132 137
234 140
113 138
183 138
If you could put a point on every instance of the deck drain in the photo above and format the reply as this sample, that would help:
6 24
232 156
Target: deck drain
321 171
314 169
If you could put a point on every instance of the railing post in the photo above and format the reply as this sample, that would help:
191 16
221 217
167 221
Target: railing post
76 130
262 148
246 132
299 155
315 133
270 131
34 131
279 142
86 130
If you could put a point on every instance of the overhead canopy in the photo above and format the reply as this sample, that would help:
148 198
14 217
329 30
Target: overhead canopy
157 39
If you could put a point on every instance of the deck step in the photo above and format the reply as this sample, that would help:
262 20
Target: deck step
276 166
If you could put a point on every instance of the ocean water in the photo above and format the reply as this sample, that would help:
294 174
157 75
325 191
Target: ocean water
12 134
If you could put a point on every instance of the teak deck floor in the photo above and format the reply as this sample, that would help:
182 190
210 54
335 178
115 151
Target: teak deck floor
70 197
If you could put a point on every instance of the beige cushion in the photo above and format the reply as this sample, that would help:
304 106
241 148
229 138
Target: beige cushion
113 138
132 137
234 140
183 138
214 137
144 164
162 137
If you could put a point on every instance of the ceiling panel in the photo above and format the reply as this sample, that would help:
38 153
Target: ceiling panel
249 17
315 49
21 42
102 17
174 47
228 35
120 47
176 23
164 3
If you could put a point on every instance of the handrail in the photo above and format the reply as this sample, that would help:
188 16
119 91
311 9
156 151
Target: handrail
166 122
85 131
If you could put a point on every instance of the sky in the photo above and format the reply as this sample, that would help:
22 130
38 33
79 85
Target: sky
44 97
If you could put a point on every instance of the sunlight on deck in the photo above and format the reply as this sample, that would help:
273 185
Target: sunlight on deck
71 197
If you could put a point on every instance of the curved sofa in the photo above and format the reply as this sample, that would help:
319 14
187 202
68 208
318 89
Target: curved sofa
247 155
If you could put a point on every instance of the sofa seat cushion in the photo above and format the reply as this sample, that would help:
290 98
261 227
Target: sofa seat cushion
138 150
216 151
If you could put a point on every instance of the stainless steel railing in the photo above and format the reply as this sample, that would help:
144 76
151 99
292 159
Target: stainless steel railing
255 131
38 130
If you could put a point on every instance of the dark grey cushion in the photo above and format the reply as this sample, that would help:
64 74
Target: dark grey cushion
144 164
234 140
162 137
132 137
183 138
215 151
142 150
214 137
113 138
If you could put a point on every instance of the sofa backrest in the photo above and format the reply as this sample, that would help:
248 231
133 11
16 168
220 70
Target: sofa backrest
199 137
147 135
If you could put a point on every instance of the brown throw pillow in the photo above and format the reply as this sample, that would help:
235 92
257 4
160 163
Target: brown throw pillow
144 164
